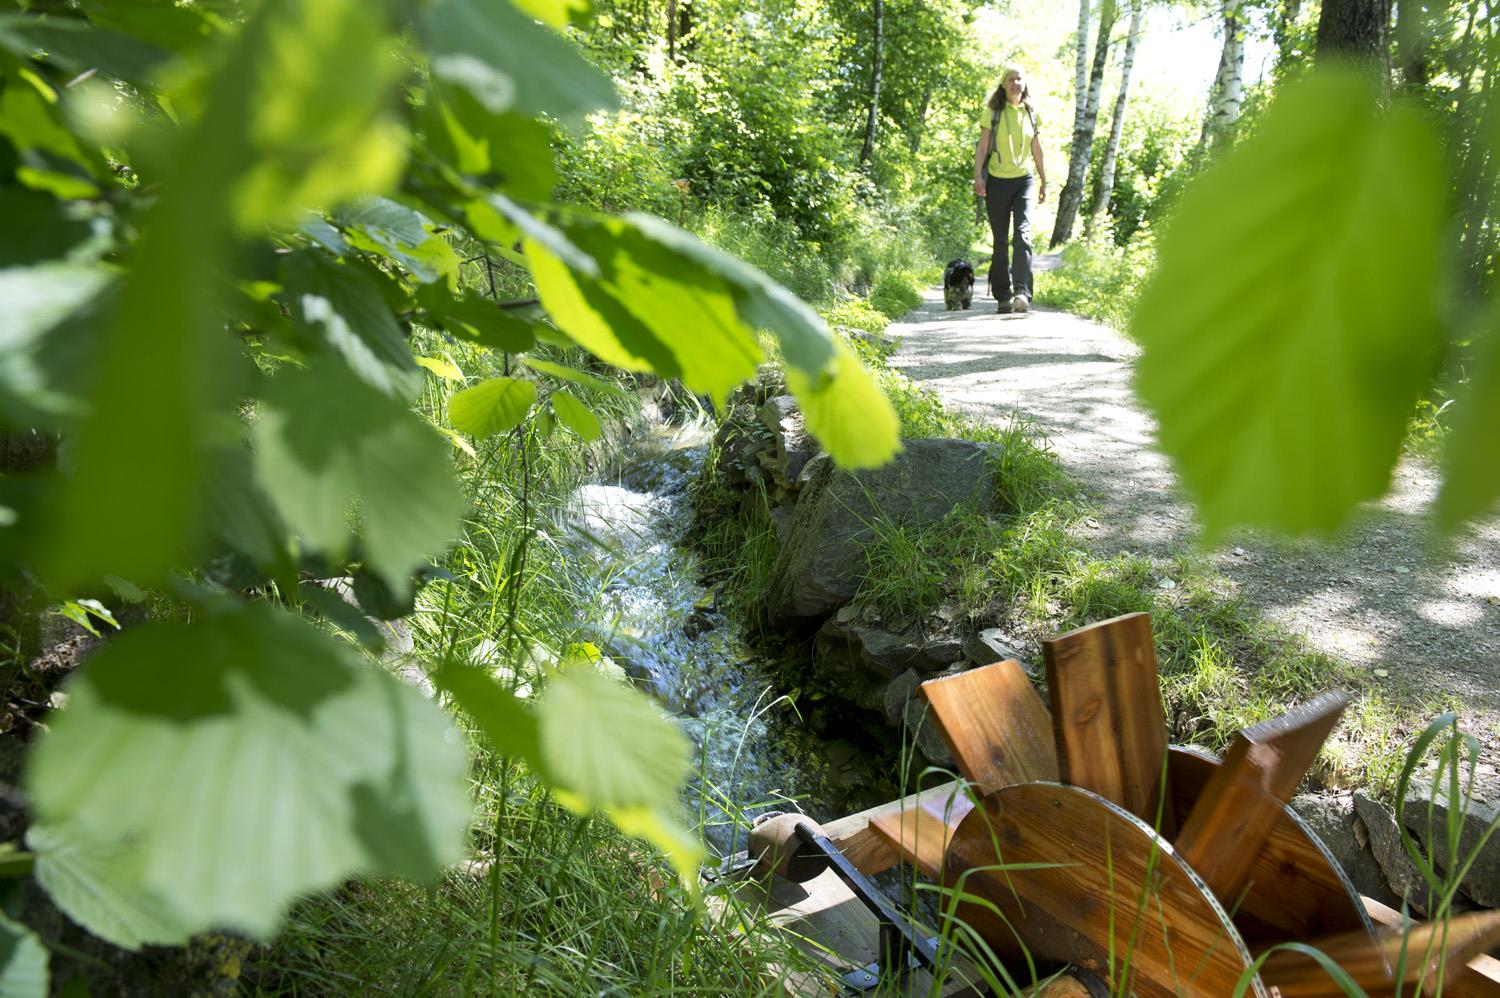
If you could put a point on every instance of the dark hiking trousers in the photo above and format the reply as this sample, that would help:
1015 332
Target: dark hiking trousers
1007 201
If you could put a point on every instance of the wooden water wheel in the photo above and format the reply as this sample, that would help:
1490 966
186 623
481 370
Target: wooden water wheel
1083 839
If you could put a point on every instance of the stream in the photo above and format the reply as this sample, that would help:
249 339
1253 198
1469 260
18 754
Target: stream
657 621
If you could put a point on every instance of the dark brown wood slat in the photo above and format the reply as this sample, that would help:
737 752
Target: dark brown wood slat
1244 798
1111 733
995 724
1372 961
1295 889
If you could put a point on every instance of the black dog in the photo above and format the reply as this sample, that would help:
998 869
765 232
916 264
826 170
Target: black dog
958 285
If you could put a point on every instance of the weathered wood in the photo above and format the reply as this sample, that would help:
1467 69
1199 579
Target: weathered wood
995 725
828 923
921 834
870 851
1480 977
1372 962
1235 812
1295 888
1111 733
1105 885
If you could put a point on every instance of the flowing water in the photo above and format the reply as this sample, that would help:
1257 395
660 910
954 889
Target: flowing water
656 620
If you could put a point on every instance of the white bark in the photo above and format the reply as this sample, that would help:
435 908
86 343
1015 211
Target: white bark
1229 84
868 149
1117 123
1082 148
1081 64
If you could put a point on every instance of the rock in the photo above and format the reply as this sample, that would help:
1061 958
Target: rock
884 652
992 645
905 707
818 568
1482 883
1400 872
1333 818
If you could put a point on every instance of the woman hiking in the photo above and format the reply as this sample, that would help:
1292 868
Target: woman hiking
1007 134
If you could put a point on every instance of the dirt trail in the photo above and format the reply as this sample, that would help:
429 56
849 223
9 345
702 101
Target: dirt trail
1378 596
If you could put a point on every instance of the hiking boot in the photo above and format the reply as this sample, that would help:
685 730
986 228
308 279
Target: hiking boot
1020 303
1004 307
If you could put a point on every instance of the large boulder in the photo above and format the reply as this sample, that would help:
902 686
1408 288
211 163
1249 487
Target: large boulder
1385 842
818 566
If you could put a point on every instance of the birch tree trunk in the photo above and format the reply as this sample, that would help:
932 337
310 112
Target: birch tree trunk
1081 64
916 133
1117 121
869 147
1071 198
1229 84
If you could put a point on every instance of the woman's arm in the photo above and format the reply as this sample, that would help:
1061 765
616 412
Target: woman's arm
1041 169
984 143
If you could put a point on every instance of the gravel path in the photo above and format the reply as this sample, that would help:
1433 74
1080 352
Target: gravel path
1378 596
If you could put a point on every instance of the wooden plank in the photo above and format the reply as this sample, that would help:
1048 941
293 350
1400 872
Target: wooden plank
1110 730
870 851
1295 888
1480 977
995 724
1234 814
1371 962
1071 878
921 834
830 926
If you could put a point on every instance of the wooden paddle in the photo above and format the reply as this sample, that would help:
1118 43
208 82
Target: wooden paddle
1240 805
994 724
1111 732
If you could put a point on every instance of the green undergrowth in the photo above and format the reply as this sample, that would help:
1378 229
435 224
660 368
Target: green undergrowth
1099 279
550 903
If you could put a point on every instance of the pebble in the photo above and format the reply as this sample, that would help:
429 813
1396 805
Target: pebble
1402 570
1381 673
1239 552
1167 584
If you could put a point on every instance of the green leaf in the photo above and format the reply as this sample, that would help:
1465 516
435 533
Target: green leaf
23 962
1285 342
504 718
32 122
244 761
508 152
564 373
180 28
508 62
557 13
762 303
97 883
37 228
1471 465
608 744
340 307
492 406
380 225
320 125
332 606
327 441
848 413
475 318
79 46
662 827
575 416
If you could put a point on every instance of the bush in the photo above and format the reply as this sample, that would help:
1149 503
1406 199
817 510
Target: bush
1100 279
894 295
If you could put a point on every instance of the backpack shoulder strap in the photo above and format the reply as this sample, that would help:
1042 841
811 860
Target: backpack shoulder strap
994 124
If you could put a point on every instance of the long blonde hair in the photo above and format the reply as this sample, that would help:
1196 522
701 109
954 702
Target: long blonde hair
997 99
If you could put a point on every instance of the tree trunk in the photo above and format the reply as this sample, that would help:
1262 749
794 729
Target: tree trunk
1282 34
1229 84
1117 121
1083 132
671 30
1081 64
869 147
1413 33
916 132
1354 29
